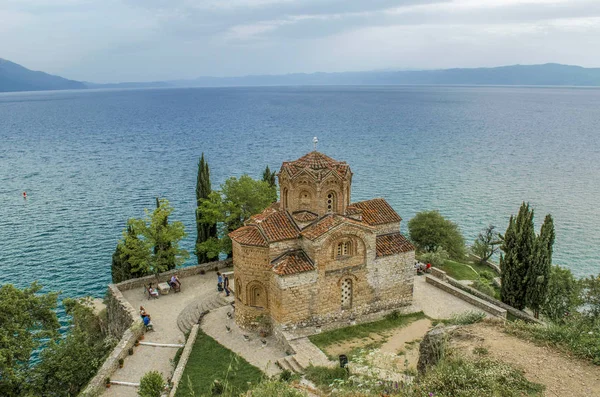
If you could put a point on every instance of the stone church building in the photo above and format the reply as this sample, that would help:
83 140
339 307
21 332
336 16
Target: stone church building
315 257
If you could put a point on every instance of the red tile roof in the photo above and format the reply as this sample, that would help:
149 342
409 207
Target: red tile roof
304 216
391 244
292 262
275 224
327 223
375 212
315 161
249 235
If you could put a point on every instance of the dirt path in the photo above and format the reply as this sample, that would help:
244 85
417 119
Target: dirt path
563 376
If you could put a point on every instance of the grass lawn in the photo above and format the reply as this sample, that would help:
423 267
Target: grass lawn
209 361
364 330
459 271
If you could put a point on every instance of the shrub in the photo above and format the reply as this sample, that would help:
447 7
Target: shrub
465 318
436 258
487 275
285 375
483 286
324 376
152 384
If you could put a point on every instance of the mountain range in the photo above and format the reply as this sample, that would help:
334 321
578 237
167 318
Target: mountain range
14 77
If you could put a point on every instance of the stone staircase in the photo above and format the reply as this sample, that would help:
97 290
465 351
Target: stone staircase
306 354
195 310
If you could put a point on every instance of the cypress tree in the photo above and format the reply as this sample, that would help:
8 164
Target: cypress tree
269 176
539 270
120 267
203 190
519 252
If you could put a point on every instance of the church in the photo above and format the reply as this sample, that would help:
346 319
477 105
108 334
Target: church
315 257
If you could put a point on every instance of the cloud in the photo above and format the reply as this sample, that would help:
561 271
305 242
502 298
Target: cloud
115 40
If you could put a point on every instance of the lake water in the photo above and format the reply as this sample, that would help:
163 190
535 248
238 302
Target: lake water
89 160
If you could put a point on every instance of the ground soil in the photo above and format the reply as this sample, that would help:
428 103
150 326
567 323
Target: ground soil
562 375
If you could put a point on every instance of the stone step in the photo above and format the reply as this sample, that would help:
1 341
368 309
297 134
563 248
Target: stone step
123 383
284 364
295 364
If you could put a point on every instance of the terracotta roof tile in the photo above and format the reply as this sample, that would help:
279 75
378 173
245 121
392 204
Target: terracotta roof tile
393 243
249 235
292 262
327 223
275 224
304 216
315 161
376 211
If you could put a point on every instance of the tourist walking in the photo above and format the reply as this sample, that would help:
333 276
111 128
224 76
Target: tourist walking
219 282
226 284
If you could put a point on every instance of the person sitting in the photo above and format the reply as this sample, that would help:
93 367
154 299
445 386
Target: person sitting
152 292
428 268
175 283
143 313
147 323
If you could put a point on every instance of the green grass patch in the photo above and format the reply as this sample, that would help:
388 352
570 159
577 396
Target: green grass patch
393 320
459 271
210 361
324 376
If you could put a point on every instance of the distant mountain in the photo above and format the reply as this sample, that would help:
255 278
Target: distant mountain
548 74
14 77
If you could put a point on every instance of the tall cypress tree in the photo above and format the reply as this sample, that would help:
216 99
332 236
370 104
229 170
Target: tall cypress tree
203 189
121 267
269 176
519 252
539 270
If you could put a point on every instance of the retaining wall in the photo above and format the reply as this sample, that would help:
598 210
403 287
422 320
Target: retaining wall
185 355
489 264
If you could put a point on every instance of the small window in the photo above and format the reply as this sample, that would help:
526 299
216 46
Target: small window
346 294
344 248
331 202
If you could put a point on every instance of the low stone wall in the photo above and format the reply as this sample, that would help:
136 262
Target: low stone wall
442 275
521 315
185 355
166 276
123 323
459 293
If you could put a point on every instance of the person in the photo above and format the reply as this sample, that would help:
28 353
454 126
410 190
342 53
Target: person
175 283
152 291
219 282
25 195
143 313
226 284
428 268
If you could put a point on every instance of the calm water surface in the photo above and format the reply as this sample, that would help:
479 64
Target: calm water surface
91 159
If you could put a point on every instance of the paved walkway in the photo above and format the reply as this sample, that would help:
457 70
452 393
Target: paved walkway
436 303
171 315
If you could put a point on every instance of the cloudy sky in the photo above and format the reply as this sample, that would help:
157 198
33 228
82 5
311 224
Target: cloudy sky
144 40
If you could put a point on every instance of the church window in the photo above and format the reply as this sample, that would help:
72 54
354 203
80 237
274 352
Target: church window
331 202
346 293
285 198
257 296
238 288
344 248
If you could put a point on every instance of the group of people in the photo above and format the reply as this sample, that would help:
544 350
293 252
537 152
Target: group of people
223 283
421 267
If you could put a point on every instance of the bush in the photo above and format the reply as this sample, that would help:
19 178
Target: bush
466 318
487 275
482 377
152 384
324 376
435 258
285 375
429 230
483 286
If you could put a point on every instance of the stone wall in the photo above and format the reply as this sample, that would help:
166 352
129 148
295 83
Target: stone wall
489 264
185 355
166 276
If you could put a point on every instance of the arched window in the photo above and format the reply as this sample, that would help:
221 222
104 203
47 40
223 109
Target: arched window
344 248
331 202
346 291
238 288
285 198
256 295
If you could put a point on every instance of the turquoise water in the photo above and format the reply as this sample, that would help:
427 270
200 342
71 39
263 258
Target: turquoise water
91 159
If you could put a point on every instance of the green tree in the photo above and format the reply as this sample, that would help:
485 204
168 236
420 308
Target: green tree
591 296
519 248
205 230
487 243
269 176
429 230
563 295
230 207
156 247
121 262
27 317
538 272
152 384
67 364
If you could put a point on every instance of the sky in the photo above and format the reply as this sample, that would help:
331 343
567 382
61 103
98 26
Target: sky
152 40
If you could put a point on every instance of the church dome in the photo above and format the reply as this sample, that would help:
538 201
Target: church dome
315 161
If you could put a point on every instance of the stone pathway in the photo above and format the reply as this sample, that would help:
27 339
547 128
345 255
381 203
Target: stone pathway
172 316
436 303
253 350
